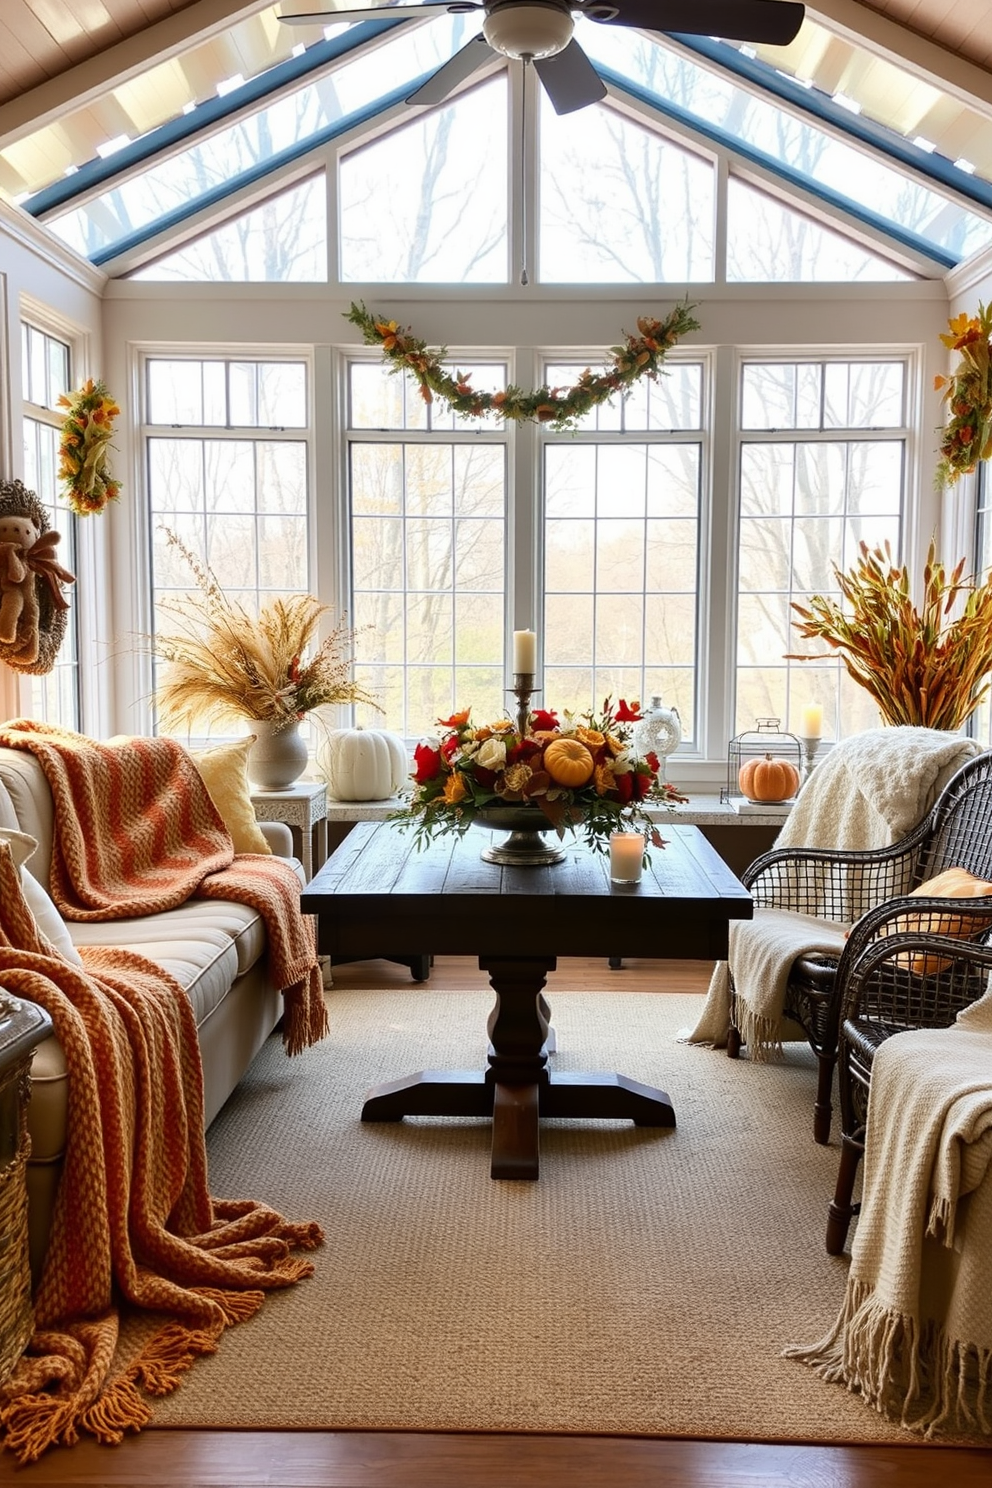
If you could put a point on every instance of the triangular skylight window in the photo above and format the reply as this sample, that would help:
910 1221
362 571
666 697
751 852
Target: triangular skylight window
620 204
768 242
427 204
282 241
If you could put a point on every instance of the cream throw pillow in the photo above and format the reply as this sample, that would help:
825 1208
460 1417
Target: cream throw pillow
47 917
224 768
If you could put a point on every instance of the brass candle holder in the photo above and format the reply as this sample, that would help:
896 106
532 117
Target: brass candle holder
523 689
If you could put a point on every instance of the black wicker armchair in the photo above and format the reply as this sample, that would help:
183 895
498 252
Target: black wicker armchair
903 981
868 889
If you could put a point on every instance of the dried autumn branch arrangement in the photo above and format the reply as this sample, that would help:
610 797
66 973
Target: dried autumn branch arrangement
921 666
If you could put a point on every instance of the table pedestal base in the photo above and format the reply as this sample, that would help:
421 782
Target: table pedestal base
517 1089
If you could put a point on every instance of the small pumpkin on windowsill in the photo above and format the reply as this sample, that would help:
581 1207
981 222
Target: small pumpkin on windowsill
768 780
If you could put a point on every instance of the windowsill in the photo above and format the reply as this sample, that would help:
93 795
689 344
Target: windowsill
699 811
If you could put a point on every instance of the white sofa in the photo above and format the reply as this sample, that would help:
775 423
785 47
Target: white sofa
215 949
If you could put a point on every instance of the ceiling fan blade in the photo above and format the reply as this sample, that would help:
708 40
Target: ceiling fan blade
570 80
454 71
377 12
772 21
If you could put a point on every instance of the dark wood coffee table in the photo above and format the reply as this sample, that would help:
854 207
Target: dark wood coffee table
377 894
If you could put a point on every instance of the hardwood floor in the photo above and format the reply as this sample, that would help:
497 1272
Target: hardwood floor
317 1459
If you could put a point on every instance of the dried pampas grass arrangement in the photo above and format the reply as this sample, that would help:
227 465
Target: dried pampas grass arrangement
224 663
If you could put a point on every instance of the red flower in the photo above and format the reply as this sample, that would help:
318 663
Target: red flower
652 759
450 746
628 714
545 719
625 786
525 750
427 763
485 778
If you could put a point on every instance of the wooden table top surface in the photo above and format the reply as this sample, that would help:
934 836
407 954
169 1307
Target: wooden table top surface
377 895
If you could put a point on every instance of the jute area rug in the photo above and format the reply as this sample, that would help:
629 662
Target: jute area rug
645 1284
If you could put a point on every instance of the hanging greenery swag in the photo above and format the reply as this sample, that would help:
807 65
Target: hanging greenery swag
560 408
86 434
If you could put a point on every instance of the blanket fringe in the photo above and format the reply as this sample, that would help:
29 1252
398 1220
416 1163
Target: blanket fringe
919 1378
305 1012
759 1033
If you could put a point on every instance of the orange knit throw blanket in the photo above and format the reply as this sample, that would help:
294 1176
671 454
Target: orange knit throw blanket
134 1225
136 833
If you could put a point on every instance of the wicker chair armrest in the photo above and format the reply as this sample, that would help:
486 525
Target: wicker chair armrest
907 979
924 918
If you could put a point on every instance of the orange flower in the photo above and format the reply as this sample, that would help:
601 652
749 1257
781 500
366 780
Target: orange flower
604 778
455 789
591 738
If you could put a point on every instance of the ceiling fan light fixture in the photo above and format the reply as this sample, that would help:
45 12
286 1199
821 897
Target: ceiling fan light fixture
531 28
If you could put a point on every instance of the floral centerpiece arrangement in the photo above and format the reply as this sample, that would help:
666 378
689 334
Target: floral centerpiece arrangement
640 355
581 771
85 441
224 663
920 666
967 436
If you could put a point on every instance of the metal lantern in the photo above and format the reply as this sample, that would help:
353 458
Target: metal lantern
765 738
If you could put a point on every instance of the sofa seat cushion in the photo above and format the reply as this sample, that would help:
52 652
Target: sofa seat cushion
204 944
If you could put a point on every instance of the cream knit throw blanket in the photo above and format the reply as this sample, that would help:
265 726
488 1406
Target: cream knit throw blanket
868 792
136 833
914 1334
762 960
873 788
134 1227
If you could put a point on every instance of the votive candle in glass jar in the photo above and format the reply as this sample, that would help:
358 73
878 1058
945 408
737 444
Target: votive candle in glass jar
626 856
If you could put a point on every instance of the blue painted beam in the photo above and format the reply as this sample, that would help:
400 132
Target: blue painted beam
204 116
821 106
784 172
256 172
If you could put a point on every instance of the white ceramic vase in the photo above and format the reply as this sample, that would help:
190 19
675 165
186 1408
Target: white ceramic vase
278 756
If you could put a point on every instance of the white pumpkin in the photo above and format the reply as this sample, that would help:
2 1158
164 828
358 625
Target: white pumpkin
363 764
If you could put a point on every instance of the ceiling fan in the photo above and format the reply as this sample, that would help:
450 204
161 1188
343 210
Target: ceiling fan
540 32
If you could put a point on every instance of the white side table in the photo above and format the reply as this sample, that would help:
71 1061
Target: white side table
303 808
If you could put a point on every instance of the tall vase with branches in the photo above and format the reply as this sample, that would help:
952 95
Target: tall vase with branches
928 666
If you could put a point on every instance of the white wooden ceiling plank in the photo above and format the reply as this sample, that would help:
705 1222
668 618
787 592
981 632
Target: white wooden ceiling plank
77 22
128 58
867 27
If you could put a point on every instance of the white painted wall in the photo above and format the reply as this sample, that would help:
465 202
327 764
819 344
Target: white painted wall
37 273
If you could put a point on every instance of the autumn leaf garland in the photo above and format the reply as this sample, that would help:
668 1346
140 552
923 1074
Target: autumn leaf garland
640 355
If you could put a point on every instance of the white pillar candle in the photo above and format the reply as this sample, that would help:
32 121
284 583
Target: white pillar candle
524 651
812 720
626 856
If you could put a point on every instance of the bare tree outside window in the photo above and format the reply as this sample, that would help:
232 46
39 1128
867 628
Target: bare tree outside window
827 474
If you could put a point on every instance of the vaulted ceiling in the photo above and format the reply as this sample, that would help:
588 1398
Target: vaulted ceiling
103 72
53 52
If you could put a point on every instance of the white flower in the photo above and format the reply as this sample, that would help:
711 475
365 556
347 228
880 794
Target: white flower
624 762
492 755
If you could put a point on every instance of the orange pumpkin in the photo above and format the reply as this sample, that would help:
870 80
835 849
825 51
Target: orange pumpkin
768 779
568 762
